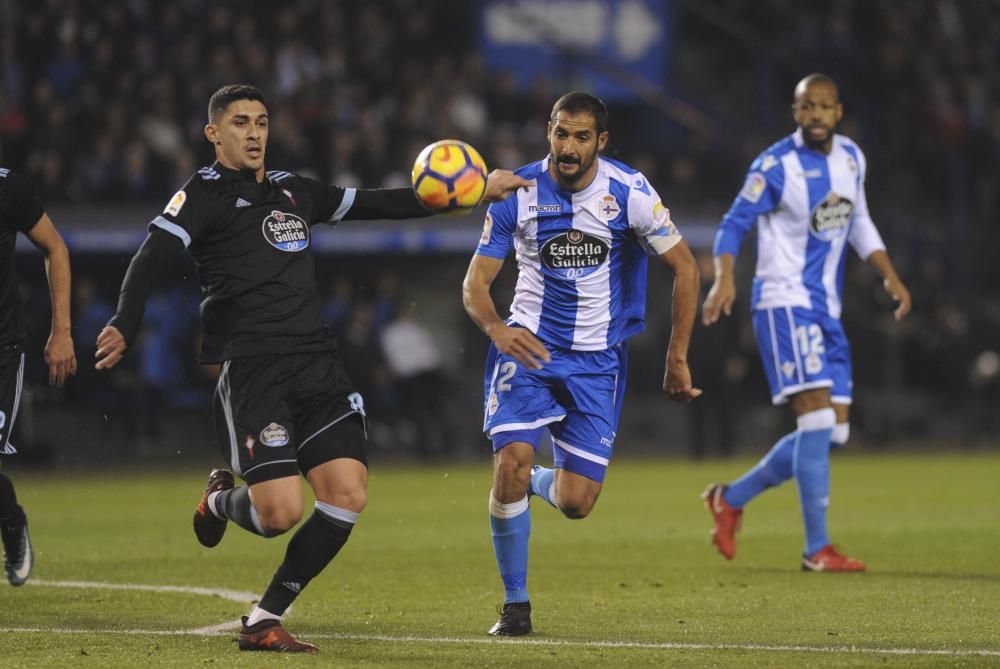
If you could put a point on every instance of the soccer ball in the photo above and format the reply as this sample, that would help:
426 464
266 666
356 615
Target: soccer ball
449 176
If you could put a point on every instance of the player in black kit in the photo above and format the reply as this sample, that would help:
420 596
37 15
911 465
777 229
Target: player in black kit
283 403
21 212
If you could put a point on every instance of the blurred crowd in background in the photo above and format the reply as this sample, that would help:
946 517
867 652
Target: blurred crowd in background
104 102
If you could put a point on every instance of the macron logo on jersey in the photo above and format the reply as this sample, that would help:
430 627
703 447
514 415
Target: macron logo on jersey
4 172
208 174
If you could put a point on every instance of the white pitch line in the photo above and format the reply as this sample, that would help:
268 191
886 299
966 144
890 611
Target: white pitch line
850 650
232 595
225 629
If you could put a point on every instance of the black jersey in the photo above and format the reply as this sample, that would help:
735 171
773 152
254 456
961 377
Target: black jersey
250 242
19 212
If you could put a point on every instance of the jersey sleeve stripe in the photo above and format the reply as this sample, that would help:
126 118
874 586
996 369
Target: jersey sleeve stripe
173 229
659 244
345 204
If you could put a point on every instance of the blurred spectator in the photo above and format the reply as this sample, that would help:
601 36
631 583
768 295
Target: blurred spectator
416 365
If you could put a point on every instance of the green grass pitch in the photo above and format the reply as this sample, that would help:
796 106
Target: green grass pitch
636 584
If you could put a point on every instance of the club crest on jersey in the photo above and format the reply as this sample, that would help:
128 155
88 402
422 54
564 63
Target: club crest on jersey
574 254
274 435
831 217
286 232
608 208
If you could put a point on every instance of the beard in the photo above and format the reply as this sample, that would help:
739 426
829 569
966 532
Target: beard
583 163
814 141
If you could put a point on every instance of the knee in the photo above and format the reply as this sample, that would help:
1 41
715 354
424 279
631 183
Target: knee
578 506
278 519
511 476
355 499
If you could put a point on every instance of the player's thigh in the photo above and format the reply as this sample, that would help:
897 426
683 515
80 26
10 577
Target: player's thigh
254 425
838 357
793 351
11 381
518 400
278 501
576 494
583 442
329 414
342 482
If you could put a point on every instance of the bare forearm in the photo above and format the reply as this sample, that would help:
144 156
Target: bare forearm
57 270
883 265
685 308
480 306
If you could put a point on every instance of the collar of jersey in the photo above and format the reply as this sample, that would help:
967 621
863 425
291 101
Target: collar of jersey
237 174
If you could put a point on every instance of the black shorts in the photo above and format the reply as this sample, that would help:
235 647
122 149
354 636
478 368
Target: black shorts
11 379
278 415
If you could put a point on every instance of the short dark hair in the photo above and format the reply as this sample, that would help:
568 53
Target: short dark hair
814 78
576 102
227 95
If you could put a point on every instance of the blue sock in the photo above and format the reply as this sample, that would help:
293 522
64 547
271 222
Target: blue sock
511 525
812 473
542 483
773 469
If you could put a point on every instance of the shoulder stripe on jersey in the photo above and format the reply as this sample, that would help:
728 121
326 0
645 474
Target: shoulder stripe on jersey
345 204
208 174
278 175
173 229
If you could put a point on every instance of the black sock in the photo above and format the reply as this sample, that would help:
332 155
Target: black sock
8 499
235 505
312 547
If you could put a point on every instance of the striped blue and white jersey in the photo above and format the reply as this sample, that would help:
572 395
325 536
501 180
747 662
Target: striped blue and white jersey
581 257
807 207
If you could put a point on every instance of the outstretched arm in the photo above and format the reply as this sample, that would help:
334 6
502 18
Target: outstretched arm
147 264
677 377
402 203
59 353
892 283
518 342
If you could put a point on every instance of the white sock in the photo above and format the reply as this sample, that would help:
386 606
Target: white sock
258 614
211 504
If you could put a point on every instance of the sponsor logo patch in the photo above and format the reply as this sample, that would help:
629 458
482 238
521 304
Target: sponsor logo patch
754 187
176 202
574 254
274 435
286 232
788 367
545 208
768 163
493 404
831 217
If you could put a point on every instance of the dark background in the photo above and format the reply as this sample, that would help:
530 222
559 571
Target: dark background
102 106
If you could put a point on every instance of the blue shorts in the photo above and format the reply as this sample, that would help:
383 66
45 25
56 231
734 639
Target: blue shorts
577 396
803 349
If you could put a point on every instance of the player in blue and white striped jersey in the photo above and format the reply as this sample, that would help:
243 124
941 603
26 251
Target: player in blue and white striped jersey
806 194
581 234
